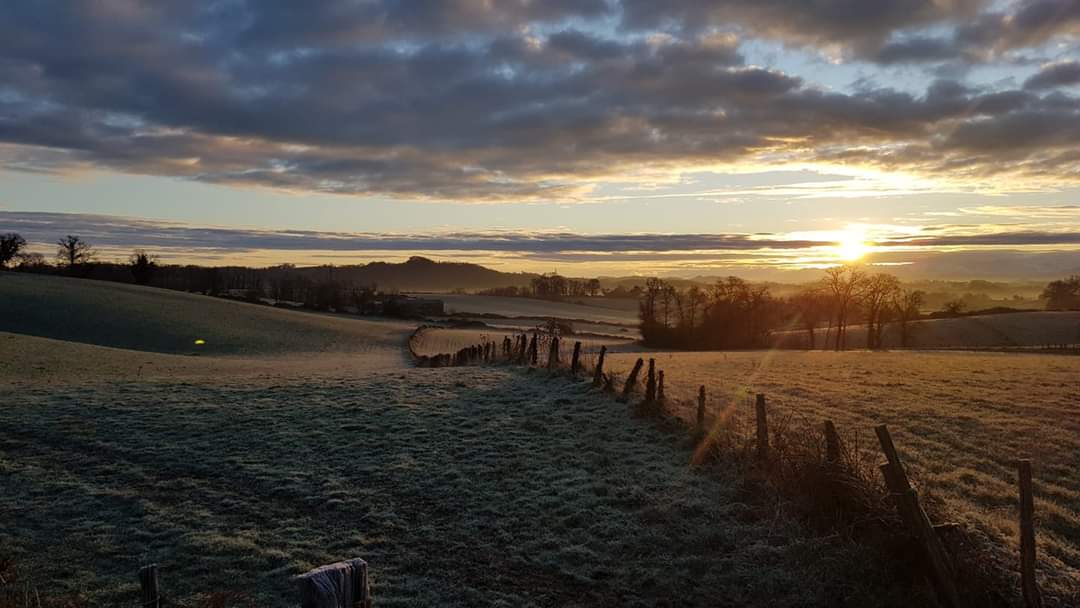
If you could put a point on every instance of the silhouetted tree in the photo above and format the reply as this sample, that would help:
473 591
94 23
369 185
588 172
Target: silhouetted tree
734 314
1063 294
10 245
811 307
843 283
143 266
32 262
74 254
954 308
877 294
906 304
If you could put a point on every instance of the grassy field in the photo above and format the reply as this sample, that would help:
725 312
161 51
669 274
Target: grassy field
960 420
163 321
1002 330
462 487
239 468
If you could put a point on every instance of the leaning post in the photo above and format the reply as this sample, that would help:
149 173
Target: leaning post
701 407
631 380
650 382
762 428
1032 597
598 373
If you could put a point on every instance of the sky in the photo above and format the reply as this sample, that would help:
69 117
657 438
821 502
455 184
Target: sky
764 138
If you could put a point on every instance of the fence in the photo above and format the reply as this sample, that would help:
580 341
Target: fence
940 565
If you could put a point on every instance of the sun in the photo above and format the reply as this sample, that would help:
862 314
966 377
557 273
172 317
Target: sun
852 245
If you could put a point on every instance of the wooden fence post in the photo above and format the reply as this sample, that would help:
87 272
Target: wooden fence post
911 512
1032 597
832 443
574 360
553 353
660 385
339 584
533 358
650 382
598 373
148 583
631 380
701 407
762 428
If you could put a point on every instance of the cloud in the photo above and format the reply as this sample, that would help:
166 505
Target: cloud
113 231
512 101
1059 74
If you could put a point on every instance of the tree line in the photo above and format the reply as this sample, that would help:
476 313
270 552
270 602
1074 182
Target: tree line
316 288
549 286
733 313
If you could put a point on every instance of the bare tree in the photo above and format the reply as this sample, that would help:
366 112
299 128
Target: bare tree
32 261
906 303
878 292
695 301
593 287
10 246
811 306
843 284
73 252
954 308
143 266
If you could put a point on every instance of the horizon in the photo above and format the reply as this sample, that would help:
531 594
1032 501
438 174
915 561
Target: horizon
607 138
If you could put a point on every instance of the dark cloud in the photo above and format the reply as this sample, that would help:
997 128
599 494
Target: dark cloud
861 24
472 100
1055 75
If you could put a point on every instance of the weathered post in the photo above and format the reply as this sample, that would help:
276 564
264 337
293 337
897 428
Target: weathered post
922 530
553 353
650 382
701 407
148 584
631 380
340 584
574 364
762 428
506 347
598 373
660 385
832 443
1032 597
532 351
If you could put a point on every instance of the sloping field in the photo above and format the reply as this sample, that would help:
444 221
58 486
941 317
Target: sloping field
1003 330
159 320
961 420
461 486
534 308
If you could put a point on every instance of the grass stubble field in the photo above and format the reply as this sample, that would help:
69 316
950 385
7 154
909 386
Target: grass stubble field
298 439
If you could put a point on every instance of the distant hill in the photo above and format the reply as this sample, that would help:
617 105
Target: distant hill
422 274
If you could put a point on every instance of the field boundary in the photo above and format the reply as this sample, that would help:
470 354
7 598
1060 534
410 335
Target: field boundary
814 470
